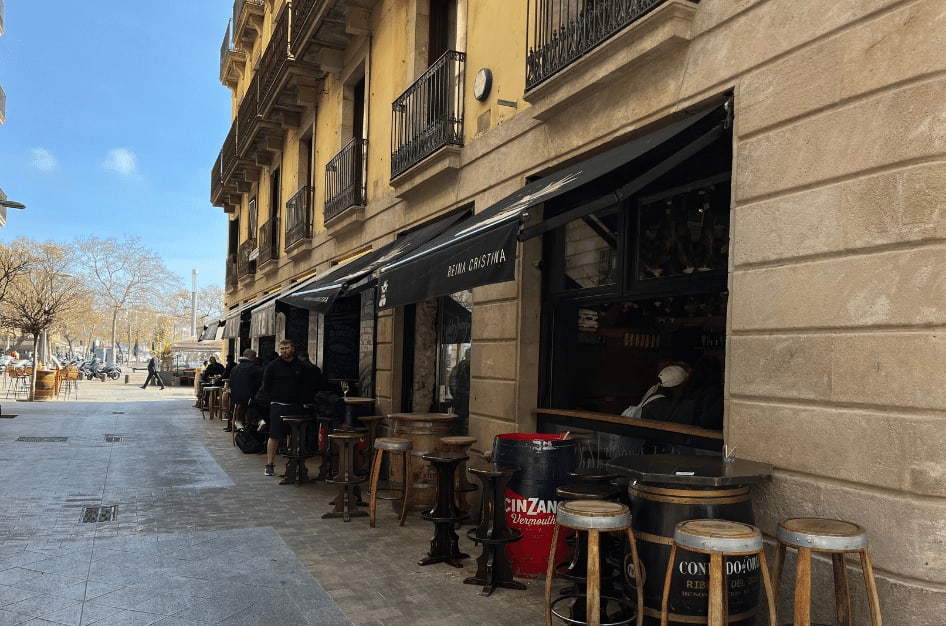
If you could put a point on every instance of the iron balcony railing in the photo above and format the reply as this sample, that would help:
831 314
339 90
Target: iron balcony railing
345 178
231 274
246 265
226 47
274 58
429 115
216 178
268 242
247 120
299 217
562 31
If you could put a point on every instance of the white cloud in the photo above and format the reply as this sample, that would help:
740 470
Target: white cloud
43 160
121 161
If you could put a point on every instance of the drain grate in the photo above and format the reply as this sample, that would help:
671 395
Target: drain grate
112 438
43 439
93 514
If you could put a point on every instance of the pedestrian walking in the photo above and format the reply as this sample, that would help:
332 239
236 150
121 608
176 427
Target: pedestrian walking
154 372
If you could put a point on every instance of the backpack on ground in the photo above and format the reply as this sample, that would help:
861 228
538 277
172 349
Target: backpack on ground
249 442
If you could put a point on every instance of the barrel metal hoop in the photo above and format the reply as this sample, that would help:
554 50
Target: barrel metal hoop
729 545
645 491
652 538
829 543
585 522
697 619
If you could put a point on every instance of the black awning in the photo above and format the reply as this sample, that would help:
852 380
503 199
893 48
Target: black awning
482 249
318 295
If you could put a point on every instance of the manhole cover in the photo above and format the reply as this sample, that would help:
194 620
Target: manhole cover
112 438
93 514
43 439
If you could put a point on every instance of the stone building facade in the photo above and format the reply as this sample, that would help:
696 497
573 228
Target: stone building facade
832 160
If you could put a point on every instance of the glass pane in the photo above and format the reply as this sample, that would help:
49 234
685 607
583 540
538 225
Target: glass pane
453 372
684 233
591 250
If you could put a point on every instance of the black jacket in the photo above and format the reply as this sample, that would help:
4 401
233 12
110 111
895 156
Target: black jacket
290 382
245 380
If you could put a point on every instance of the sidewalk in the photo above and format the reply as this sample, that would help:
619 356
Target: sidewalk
183 528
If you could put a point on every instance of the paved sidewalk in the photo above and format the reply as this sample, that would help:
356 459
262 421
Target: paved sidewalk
126 507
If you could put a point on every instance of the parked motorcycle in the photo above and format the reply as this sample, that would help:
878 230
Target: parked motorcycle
97 369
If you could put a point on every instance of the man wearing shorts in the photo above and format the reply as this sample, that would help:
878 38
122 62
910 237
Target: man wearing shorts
288 384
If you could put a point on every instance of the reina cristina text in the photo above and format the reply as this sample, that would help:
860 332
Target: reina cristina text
477 262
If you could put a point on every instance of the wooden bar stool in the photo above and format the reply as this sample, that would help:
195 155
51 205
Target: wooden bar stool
717 538
460 444
345 479
827 536
394 445
593 517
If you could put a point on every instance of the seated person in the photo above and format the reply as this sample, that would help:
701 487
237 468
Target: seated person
658 400
700 399
213 369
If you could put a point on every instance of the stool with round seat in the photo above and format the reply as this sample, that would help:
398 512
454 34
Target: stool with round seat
393 445
826 536
346 500
493 568
371 423
460 444
718 539
592 517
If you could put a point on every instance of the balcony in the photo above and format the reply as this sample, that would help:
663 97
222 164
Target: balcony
246 259
3 106
299 217
428 116
232 61
268 242
247 22
345 179
231 273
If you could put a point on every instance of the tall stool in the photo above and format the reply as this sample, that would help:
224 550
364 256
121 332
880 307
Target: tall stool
460 444
371 423
394 445
346 499
593 517
298 450
827 536
444 547
717 538
493 568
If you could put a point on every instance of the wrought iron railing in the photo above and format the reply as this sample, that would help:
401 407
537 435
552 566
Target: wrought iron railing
562 31
268 242
226 47
274 58
248 115
231 274
302 12
345 178
429 115
299 217
216 178
245 264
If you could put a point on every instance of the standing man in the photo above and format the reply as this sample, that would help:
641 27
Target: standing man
154 369
287 385
245 381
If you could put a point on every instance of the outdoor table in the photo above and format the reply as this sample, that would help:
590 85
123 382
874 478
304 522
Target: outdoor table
212 397
666 489
424 430
356 407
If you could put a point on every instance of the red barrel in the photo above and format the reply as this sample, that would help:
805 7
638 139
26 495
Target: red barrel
544 463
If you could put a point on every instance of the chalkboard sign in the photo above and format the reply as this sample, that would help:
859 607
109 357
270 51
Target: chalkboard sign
366 356
340 360
457 321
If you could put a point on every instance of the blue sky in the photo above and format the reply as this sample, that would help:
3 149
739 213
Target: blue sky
115 114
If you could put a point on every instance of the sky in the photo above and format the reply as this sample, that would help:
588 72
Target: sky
115 115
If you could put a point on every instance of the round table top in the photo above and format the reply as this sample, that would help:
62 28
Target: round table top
299 418
423 417
358 400
690 470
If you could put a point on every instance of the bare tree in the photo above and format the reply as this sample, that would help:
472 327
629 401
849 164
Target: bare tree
41 295
126 274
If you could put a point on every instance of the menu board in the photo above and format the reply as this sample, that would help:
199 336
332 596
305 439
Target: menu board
340 359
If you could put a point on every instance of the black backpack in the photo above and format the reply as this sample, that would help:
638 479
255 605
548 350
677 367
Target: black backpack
249 442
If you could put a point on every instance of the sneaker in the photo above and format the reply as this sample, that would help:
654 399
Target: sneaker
270 470
142 386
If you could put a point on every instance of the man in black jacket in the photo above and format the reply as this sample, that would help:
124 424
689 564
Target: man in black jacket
154 367
245 380
288 384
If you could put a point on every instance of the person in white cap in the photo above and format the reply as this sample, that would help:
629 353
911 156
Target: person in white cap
658 401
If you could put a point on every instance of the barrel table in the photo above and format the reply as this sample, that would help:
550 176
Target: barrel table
665 489
424 430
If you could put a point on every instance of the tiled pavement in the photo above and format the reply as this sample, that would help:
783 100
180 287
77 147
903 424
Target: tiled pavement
200 536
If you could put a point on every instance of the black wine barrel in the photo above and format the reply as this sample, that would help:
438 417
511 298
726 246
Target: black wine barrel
656 511
544 463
